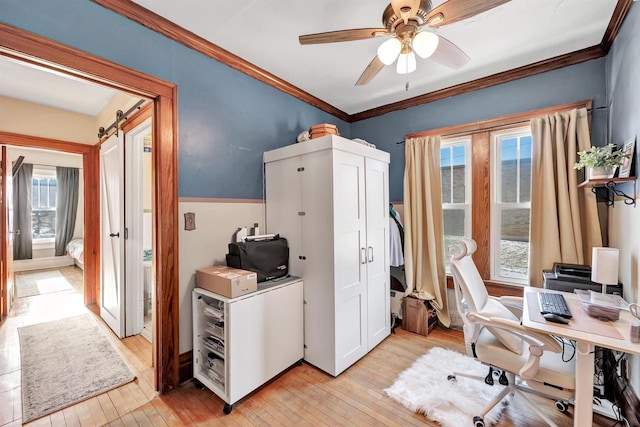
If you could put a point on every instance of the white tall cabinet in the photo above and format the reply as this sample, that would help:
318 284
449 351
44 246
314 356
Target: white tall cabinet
329 197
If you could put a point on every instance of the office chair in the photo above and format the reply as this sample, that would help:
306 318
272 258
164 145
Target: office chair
526 361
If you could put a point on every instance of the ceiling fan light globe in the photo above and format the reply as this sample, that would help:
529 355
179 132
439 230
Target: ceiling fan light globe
406 63
425 43
389 51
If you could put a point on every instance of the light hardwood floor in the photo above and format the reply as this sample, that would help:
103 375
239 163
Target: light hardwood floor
305 396
96 411
301 396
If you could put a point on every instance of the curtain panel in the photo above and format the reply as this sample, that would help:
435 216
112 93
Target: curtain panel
564 218
66 207
22 202
424 230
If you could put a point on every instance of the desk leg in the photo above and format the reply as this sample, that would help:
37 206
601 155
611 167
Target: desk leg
583 410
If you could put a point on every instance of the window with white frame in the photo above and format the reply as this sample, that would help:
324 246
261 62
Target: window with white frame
455 176
43 204
511 205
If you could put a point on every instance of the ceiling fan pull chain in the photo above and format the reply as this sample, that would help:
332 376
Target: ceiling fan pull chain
406 85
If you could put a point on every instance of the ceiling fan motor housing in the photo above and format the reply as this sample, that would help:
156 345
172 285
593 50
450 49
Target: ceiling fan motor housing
390 20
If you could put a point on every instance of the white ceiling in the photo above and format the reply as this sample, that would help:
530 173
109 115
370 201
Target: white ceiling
265 33
38 85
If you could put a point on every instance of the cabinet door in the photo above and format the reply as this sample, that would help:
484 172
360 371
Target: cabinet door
283 196
317 246
378 299
264 337
350 248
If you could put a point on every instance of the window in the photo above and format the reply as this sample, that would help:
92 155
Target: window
511 205
43 204
455 177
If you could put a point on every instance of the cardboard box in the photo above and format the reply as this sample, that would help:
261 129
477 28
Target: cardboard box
227 281
418 316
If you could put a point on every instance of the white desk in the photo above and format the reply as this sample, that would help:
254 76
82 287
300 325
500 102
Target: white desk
586 343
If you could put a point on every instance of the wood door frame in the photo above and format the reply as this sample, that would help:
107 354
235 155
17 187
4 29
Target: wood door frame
28 47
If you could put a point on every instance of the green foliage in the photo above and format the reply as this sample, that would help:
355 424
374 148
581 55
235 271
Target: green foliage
600 157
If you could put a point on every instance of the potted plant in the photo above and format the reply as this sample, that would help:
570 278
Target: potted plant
601 162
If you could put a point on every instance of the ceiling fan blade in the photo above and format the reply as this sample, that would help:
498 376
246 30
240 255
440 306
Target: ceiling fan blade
457 10
343 35
449 55
370 72
405 9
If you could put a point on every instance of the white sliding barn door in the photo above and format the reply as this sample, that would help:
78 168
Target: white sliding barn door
112 296
134 223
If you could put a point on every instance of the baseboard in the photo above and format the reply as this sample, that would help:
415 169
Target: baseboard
629 401
185 368
40 263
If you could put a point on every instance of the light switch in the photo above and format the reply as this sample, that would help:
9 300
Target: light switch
189 221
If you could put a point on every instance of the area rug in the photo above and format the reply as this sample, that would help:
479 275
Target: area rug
43 282
65 362
424 388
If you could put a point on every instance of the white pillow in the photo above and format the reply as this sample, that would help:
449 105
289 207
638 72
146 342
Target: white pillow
510 340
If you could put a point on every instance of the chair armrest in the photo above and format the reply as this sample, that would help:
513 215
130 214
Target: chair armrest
538 342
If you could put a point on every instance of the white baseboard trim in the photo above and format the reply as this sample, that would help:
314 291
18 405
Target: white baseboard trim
40 263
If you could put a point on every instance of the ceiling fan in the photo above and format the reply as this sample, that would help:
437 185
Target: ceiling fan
403 19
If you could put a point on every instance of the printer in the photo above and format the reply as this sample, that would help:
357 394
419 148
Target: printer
568 277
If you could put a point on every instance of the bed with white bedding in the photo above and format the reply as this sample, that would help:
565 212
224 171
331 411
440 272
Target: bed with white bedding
75 249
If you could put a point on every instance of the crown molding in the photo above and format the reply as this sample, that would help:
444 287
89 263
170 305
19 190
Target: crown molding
550 64
615 23
157 23
161 25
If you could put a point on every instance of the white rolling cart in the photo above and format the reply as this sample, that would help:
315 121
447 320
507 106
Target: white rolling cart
241 343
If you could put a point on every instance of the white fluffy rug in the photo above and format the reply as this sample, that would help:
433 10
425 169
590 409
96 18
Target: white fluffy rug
424 388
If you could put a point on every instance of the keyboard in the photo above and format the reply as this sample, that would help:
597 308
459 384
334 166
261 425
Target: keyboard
554 304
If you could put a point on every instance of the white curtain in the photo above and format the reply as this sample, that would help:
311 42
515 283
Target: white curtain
424 231
564 218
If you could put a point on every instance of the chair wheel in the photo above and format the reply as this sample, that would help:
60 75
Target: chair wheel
451 378
478 422
562 406
227 408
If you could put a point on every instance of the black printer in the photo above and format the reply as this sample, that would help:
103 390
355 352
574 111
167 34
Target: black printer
568 277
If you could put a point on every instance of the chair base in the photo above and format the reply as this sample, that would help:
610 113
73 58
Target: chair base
514 388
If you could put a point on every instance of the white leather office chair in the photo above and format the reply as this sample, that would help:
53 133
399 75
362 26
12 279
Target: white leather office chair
530 361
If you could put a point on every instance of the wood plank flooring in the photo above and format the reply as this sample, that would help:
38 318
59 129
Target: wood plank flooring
97 411
305 396
301 396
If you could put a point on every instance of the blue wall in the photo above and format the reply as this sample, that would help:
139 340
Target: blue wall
623 81
575 83
226 120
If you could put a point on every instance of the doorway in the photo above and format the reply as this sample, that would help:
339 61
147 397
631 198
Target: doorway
25 46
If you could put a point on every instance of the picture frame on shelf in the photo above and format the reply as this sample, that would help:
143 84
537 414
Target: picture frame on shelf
628 148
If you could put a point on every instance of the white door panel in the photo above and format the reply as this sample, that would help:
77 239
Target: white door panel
134 222
350 258
112 252
378 298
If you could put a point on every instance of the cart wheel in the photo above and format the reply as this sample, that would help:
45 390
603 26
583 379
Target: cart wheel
299 363
561 406
227 408
478 422
197 383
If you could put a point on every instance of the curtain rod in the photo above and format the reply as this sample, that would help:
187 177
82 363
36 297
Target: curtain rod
120 117
606 107
52 166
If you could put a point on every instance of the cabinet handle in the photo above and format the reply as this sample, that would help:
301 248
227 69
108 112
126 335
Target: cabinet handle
363 255
370 254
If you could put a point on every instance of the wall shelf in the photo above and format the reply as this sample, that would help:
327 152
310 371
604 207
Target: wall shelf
606 189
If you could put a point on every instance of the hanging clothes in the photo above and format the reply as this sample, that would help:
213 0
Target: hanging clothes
396 239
